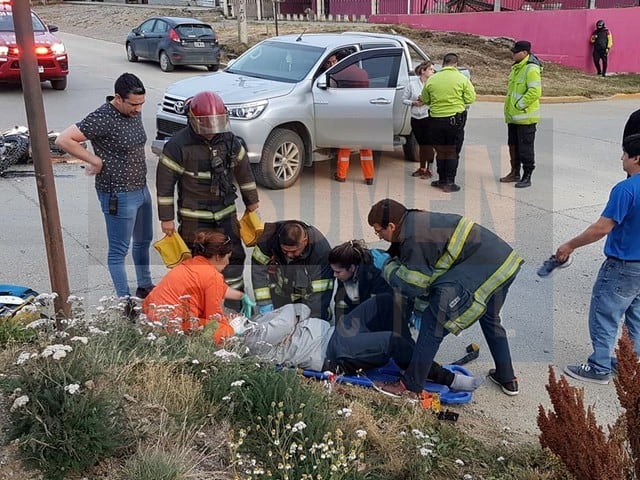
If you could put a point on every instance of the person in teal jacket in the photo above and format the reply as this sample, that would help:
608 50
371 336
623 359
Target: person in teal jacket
522 113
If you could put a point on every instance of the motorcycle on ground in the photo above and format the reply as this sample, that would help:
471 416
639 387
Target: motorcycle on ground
15 147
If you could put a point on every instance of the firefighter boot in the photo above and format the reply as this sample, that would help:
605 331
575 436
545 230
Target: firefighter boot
525 181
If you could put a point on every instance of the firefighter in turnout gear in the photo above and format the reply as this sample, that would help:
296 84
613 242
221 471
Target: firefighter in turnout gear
290 265
458 270
203 160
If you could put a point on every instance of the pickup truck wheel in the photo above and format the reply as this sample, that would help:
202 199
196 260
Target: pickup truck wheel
131 56
59 84
410 149
282 160
165 62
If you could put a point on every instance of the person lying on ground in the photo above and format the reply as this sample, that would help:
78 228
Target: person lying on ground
290 337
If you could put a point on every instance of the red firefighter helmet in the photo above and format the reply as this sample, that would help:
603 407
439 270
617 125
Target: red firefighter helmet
207 114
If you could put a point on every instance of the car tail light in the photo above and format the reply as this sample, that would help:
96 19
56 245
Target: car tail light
173 36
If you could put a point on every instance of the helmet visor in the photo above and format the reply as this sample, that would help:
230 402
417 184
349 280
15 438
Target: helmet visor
209 124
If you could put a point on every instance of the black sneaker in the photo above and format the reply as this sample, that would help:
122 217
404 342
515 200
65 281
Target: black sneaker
449 187
143 292
509 388
551 264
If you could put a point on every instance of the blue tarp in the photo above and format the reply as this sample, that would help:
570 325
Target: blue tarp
391 373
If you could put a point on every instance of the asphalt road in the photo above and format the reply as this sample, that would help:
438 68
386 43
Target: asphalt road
578 157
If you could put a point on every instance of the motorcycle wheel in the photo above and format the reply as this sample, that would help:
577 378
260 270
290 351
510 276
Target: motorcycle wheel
15 148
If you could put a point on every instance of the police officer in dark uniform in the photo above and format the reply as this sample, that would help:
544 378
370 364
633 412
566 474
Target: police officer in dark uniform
204 159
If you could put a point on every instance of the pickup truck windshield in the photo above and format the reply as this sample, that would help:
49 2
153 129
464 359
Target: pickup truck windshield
6 22
282 62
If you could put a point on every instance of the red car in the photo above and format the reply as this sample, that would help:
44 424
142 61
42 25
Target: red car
53 62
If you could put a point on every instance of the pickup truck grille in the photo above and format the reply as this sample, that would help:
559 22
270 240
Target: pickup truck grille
173 105
167 127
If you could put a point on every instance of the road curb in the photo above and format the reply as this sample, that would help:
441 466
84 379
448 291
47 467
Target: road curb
564 99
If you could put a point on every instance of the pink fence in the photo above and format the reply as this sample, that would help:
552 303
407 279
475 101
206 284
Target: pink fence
560 36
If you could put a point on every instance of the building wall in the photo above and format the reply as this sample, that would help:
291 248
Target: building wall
560 36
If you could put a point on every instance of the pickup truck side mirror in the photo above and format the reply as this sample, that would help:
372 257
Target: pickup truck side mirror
321 82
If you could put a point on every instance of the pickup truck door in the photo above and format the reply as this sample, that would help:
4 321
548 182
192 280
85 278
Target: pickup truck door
355 108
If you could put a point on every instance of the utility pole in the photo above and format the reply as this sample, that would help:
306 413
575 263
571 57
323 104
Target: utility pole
34 108
243 36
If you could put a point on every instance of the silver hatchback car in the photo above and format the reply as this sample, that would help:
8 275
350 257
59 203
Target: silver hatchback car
282 100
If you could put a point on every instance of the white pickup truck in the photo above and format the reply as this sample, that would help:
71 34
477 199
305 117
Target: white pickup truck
283 101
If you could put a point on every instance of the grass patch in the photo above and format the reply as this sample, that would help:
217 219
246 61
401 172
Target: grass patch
118 400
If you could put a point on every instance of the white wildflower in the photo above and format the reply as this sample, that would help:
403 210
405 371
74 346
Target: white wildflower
97 331
237 383
501 459
151 337
83 340
23 357
226 398
298 427
467 477
459 462
19 402
418 434
43 322
195 361
424 451
345 412
72 389
56 351
361 433
222 353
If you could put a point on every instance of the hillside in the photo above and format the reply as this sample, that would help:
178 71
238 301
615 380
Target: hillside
489 59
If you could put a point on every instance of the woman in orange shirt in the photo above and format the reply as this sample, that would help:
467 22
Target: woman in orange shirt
192 292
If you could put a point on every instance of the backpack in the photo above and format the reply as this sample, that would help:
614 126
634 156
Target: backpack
13 298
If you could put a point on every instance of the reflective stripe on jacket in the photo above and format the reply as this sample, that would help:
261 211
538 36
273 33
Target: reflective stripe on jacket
308 279
449 264
522 103
205 172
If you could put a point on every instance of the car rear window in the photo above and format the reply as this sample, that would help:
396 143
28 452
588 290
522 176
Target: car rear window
194 31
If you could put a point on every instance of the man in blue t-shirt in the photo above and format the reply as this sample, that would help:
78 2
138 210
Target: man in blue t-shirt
616 293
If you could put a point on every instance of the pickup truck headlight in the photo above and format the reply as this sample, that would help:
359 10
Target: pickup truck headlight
247 111
57 48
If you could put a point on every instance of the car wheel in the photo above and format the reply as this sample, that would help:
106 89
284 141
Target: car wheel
131 56
165 62
213 68
282 160
13 150
59 84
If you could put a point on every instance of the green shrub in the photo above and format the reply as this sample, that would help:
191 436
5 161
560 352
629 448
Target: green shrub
62 422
